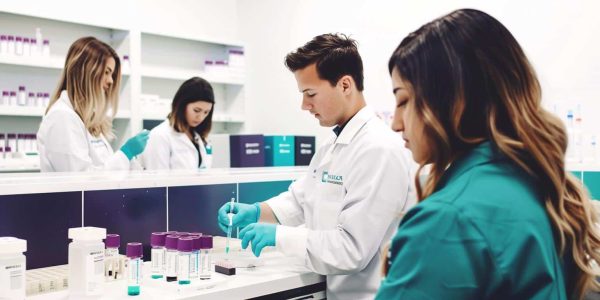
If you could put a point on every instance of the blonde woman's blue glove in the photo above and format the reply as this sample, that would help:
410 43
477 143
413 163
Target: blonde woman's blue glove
136 145
260 235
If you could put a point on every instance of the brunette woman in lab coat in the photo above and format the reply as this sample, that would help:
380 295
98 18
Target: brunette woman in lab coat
180 141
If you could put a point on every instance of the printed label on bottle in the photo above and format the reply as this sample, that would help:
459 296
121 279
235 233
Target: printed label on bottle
94 272
11 280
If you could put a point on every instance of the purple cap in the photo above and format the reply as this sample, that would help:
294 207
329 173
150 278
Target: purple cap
1 149
196 242
31 94
126 57
21 88
220 62
181 234
26 40
3 37
19 39
196 233
40 94
234 51
206 242
7 149
46 94
184 244
46 42
208 62
134 250
5 93
1 135
11 37
112 241
11 135
158 239
33 41
20 135
171 242
13 93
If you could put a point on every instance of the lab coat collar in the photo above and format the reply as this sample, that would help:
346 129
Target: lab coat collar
64 97
481 154
354 125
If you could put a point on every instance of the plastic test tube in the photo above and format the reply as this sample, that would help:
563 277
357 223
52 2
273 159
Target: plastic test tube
111 256
157 254
171 257
195 258
184 247
206 244
134 264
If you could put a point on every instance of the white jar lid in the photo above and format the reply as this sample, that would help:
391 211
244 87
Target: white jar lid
87 233
10 244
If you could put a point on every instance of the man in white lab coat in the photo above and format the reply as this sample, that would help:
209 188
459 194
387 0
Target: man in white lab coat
356 186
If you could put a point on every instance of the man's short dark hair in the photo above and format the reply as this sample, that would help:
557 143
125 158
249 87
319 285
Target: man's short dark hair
336 55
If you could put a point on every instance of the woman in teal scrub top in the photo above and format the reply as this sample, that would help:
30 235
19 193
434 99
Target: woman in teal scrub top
499 216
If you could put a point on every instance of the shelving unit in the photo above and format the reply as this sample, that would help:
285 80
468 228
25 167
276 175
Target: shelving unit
159 63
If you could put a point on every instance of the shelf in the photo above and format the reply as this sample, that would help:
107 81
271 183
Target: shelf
184 74
25 111
218 118
53 62
196 38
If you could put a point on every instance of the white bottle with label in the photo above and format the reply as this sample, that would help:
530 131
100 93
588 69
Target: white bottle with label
12 268
86 262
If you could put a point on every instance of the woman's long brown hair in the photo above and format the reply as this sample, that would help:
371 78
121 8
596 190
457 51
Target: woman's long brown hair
472 82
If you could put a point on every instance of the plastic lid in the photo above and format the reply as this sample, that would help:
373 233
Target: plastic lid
31 94
196 244
2 37
196 233
9 244
171 242
46 94
46 42
18 38
134 250
235 51
21 88
7 149
158 239
40 94
206 242
126 57
5 93
33 40
13 93
112 241
184 244
87 233
26 39
208 62
11 37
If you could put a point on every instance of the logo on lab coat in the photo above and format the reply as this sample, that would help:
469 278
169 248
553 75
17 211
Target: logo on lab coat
329 178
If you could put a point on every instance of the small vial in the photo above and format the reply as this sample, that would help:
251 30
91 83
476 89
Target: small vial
35 49
19 46
195 257
31 99
11 45
3 45
134 268
12 268
46 99
5 98
206 244
26 47
184 247
171 257
157 254
12 100
40 99
46 49
111 257
22 97
39 40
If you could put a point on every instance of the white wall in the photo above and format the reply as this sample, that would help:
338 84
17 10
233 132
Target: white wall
560 38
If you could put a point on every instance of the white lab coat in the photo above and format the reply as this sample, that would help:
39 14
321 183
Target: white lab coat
350 200
65 145
169 149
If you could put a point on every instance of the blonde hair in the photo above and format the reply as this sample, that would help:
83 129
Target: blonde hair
472 82
82 79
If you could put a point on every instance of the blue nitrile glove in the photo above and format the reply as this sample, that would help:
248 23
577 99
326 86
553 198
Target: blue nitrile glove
243 214
261 235
136 144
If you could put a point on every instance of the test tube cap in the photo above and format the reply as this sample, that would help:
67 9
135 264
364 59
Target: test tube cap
158 239
171 242
197 243
87 233
206 242
112 240
134 250
185 244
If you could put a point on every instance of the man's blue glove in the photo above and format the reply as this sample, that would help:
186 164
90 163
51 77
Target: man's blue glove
261 235
136 144
243 214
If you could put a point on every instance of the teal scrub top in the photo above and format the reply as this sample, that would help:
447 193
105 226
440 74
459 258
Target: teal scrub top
483 234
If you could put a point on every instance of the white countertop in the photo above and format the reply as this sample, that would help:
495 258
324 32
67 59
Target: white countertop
27 183
277 274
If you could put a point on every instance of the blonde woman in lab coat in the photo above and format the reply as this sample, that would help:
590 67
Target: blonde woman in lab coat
75 130
180 141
